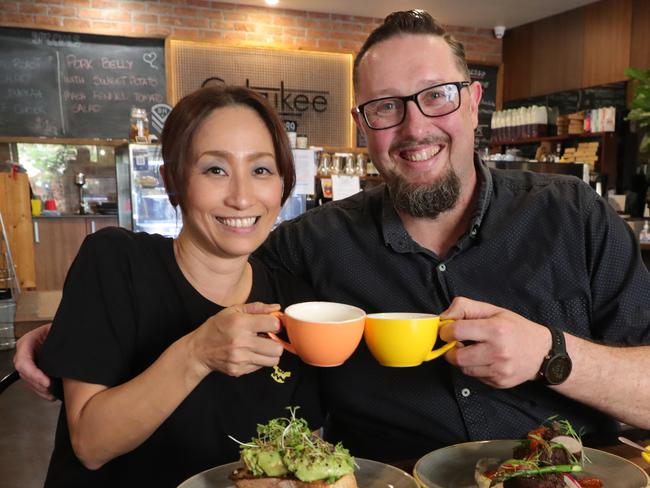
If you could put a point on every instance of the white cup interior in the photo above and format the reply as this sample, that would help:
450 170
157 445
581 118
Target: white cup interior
400 316
324 312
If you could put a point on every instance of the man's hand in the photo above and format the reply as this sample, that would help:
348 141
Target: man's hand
506 349
27 349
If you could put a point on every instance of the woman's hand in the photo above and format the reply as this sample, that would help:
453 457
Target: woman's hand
234 340
27 349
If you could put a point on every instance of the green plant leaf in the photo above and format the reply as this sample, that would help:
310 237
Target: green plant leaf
637 74
644 147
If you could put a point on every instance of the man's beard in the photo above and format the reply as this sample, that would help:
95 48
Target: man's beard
427 200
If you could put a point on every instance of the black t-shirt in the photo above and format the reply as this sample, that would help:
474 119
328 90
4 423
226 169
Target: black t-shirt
125 301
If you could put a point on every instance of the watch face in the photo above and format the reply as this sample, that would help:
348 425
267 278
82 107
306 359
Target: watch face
558 369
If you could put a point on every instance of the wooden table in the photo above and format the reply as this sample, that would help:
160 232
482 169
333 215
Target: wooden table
34 308
630 453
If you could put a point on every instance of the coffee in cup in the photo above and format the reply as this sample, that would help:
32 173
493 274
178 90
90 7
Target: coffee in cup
404 339
322 333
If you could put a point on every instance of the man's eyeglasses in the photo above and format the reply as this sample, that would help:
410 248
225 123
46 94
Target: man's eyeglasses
435 101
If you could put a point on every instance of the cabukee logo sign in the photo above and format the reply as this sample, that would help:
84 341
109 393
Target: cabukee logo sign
287 101
311 90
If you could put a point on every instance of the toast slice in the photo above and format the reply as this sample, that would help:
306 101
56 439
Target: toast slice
244 479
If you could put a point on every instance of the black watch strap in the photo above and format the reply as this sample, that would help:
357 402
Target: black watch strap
557 340
556 365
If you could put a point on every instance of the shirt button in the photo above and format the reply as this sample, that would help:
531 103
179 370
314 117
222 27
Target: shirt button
465 392
473 232
442 267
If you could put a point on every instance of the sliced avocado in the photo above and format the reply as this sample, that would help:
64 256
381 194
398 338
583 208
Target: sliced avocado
264 462
271 463
321 466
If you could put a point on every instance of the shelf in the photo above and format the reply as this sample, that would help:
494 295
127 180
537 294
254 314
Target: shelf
533 140
64 140
363 178
341 149
607 150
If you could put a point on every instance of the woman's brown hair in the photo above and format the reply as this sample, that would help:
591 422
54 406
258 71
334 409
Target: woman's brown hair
187 116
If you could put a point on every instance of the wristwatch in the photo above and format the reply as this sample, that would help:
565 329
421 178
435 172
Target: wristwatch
556 366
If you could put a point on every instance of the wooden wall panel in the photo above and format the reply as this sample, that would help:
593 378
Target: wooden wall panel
557 53
58 242
517 66
640 38
606 54
584 47
16 213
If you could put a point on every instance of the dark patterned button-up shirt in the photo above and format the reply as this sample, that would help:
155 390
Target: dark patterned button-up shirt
544 246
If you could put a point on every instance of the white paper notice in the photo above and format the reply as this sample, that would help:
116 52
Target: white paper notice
344 186
305 171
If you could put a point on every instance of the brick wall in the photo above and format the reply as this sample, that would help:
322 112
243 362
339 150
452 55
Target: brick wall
217 21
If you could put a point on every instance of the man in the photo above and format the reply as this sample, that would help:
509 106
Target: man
509 255
529 250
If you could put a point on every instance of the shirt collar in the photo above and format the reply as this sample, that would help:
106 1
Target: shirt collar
393 230
485 188
395 234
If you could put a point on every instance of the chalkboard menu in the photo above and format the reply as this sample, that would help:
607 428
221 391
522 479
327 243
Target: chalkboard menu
487 76
57 84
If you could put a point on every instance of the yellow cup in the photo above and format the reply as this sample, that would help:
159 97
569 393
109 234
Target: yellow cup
404 339
646 456
322 333
36 207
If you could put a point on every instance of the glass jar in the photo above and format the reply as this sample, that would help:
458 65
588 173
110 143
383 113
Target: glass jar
349 168
139 126
337 164
360 168
301 141
324 166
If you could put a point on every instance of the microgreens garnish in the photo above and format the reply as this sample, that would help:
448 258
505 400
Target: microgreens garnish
290 441
280 376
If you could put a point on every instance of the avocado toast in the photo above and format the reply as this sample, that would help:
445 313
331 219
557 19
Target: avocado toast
286 454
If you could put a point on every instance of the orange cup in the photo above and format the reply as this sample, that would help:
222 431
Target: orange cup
322 333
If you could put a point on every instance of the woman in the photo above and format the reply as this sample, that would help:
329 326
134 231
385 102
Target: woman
159 360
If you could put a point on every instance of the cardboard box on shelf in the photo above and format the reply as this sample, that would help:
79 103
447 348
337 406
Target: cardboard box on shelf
587 152
569 155
577 116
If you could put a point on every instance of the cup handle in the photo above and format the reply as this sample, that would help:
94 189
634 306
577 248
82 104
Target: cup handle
288 346
436 353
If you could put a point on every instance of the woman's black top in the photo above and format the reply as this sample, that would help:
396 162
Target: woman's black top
124 302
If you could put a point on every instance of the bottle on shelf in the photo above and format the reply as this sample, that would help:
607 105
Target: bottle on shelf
644 235
139 125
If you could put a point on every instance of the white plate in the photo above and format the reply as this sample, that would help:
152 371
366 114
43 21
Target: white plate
369 474
453 466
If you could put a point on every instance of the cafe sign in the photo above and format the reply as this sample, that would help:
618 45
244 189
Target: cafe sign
311 90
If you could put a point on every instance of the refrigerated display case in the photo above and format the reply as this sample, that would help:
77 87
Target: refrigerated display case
143 205
296 204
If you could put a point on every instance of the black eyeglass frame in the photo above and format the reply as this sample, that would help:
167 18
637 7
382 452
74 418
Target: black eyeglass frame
360 109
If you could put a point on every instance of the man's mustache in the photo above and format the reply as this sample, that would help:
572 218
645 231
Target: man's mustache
404 144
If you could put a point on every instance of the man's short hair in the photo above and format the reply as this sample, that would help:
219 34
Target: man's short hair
411 22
